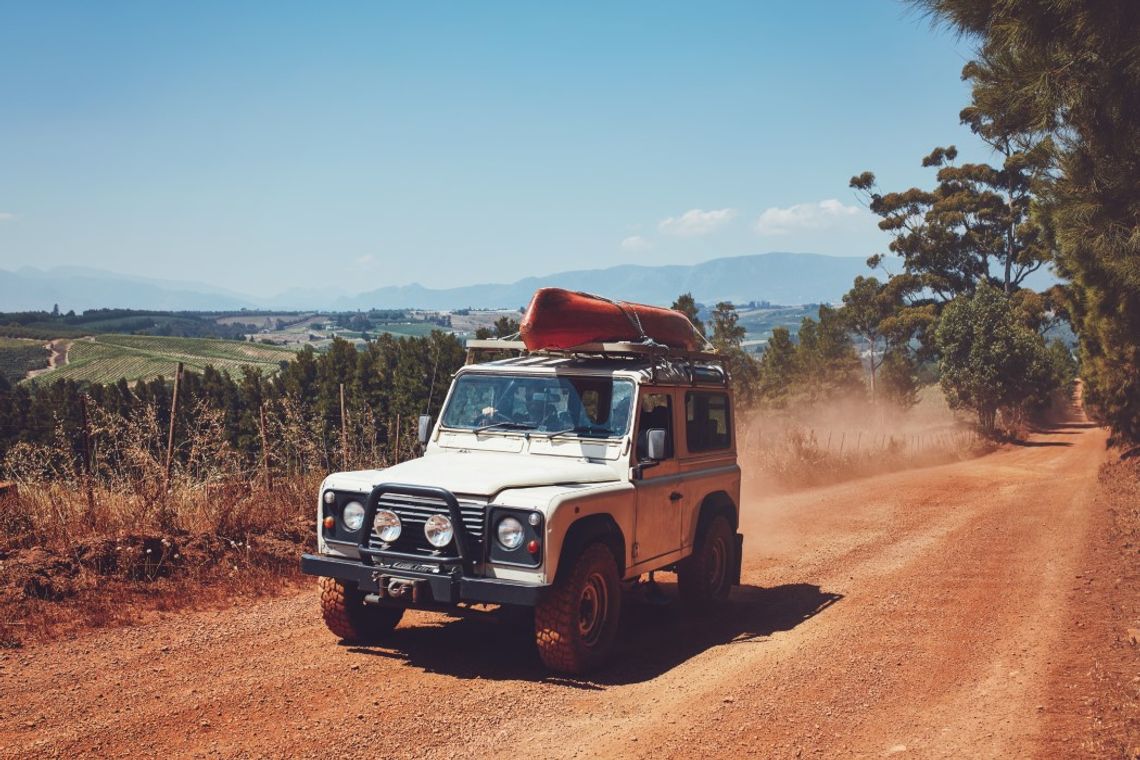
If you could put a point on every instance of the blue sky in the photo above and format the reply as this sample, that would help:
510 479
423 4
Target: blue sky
267 146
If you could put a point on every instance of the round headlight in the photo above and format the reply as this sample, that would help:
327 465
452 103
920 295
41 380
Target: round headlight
353 515
438 531
330 497
510 533
387 525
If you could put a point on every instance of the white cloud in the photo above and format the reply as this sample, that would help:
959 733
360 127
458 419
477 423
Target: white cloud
695 222
6 216
636 243
803 216
366 261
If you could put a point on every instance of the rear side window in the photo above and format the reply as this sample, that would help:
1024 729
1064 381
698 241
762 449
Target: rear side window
708 423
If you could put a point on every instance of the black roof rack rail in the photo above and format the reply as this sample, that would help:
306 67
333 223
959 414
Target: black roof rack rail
608 349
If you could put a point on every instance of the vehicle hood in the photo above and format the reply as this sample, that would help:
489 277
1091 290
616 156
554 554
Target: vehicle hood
477 473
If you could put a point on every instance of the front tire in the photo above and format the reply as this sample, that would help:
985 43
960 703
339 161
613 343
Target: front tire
705 576
347 616
576 621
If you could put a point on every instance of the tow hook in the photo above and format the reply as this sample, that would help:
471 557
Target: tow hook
397 588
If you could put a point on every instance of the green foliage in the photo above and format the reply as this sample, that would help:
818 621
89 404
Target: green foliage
826 363
1071 71
976 217
689 307
777 369
390 378
990 361
505 327
823 365
728 339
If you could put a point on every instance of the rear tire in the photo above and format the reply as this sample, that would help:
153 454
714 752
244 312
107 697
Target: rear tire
577 619
350 619
705 576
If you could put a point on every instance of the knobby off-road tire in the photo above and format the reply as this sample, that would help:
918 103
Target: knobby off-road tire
576 621
705 576
350 619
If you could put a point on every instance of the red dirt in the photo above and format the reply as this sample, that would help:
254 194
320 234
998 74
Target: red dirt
939 612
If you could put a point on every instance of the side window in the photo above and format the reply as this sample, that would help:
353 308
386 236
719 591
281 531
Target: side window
655 412
708 425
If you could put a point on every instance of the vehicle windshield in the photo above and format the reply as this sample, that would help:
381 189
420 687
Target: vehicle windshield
584 406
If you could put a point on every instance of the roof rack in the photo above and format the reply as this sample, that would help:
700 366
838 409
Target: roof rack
616 349
660 357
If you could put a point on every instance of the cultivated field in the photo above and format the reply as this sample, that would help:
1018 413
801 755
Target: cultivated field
19 356
106 358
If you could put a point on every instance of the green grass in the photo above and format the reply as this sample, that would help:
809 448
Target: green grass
107 358
17 357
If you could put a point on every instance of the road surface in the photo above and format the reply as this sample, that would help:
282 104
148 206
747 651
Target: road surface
918 614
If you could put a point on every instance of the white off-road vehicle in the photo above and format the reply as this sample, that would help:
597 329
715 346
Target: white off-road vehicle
552 480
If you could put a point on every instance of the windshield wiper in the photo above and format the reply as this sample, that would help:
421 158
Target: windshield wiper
591 429
505 425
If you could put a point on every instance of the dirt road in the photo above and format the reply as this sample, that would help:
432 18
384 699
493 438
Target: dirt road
918 614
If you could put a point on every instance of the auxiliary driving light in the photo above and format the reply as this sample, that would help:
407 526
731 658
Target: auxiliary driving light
353 515
439 531
510 533
330 497
387 525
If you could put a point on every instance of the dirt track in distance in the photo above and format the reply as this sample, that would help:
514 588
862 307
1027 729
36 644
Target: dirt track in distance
913 614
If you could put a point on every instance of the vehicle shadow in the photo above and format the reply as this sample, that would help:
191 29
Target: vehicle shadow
499 645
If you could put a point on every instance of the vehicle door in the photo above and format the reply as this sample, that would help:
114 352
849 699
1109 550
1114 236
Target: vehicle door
706 458
657 526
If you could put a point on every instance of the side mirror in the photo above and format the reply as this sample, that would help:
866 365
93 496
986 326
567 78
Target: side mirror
424 430
655 444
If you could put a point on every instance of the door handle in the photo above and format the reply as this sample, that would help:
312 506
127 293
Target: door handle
675 496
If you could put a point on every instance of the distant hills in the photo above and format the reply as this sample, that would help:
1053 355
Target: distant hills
786 278
82 288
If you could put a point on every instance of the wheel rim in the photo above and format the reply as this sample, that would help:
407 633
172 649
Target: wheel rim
717 563
593 609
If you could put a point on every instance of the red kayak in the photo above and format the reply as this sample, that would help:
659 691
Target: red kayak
561 319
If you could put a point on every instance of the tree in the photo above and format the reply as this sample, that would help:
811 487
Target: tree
776 373
1071 71
826 363
975 218
688 306
728 339
506 327
990 361
882 315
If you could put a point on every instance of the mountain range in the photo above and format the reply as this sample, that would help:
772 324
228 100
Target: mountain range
785 278
780 278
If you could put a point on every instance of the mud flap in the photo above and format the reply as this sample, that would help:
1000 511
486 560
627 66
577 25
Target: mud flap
739 560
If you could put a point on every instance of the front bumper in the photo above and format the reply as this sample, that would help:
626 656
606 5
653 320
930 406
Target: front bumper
430 588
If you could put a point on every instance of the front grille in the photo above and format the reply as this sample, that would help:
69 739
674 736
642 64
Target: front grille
414 512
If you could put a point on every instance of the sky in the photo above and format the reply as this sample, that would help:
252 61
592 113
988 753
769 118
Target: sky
345 146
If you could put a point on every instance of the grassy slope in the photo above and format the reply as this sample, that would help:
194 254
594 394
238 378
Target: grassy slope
106 358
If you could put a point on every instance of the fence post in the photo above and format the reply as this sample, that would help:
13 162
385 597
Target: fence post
265 450
343 430
88 487
170 434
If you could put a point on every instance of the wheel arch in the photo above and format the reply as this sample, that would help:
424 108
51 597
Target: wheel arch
718 503
586 530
